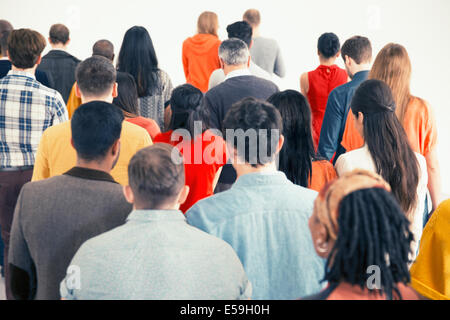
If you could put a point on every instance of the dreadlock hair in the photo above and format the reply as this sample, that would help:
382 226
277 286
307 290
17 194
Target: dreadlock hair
372 231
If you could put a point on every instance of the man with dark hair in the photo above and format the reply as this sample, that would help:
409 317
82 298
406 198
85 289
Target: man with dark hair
243 31
264 216
158 254
27 108
96 81
102 48
357 55
58 63
316 85
80 204
239 83
265 52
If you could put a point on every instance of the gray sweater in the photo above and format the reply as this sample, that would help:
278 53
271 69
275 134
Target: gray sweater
266 54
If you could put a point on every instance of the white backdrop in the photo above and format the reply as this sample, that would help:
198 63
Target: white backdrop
422 26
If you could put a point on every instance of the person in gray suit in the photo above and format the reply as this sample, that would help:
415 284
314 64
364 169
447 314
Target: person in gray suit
53 217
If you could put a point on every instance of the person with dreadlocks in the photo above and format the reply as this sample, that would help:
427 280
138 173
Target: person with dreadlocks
387 152
358 226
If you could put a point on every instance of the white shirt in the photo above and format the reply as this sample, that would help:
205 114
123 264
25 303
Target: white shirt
218 76
362 159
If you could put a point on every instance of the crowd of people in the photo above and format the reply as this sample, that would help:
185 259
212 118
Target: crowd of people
114 184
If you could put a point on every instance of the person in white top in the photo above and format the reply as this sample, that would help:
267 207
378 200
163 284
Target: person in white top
388 153
243 31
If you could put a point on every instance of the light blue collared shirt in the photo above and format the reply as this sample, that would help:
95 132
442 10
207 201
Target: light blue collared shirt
264 217
155 255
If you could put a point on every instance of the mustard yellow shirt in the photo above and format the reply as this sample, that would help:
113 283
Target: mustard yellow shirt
430 274
55 154
73 102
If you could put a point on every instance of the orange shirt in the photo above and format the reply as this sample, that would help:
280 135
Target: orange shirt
200 59
199 176
322 173
73 102
148 124
419 125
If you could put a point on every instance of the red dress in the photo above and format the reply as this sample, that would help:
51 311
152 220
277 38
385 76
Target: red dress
148 124
200 169
321 82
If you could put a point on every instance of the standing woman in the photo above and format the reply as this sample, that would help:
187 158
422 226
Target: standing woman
201 52
137 57
298 159
393 66
387 152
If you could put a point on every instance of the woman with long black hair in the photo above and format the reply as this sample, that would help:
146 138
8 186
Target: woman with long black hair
138 57
298 159
387 152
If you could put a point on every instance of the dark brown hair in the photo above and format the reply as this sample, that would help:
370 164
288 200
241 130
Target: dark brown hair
358 48
5 30
24 47
59 33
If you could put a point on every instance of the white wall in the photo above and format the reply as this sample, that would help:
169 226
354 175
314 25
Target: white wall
422 26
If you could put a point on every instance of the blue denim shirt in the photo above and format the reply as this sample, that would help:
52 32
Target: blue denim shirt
156 255
264 217
335 117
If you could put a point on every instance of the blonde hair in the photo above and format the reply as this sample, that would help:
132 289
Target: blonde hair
208 23
252 17
393 66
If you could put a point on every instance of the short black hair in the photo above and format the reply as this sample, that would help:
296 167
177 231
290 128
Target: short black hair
96 126
154 177
328 45
59 33
358 48
241 30
95 75
103 48
261 118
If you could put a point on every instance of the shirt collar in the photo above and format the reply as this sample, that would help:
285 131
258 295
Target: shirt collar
156 215
21 74
90 174
259 178
238 73
361 75
4 58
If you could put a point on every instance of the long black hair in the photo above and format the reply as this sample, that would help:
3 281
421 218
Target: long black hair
386 139
298 150
373 231
127 97
137 57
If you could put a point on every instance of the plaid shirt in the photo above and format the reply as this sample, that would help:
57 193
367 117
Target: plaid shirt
27 108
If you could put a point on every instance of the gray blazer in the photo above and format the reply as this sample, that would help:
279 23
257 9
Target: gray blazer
51 221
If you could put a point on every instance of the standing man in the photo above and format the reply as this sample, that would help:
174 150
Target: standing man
265 52
58 63
357 55
27 108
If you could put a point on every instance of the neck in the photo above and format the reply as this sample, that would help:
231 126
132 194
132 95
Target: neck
327 62
360 67
103 165
107 98
59 46
243 169
230 68
256 33
29 70
166 207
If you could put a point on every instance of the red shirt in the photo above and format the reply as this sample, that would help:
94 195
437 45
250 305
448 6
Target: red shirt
200 168
321 82
148 124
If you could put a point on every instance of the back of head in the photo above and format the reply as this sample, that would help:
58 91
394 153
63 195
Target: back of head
252 17
137 56
95 76
298 149
234 52
386 139
208 23
127 97
96 126
25 47
358 48
103 48
184 102
328 45
241 30
155 179
253 127
393 66
59 34
5 31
